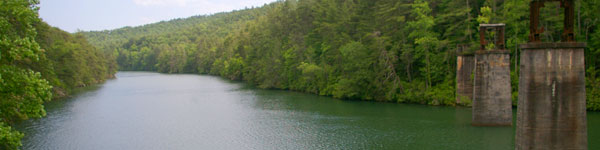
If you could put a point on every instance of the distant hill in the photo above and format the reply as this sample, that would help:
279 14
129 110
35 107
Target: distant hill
380 50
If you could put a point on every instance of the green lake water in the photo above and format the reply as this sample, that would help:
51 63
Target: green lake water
152 111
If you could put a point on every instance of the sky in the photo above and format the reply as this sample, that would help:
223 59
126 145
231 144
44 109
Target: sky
94 15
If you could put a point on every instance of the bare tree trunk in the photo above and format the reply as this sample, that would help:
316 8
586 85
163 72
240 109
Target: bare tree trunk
493 8
578 16
516 58
428 69
447 57
408 73
469 21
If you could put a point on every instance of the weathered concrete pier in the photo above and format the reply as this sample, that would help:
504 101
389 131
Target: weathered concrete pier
492 104
465 65
552 109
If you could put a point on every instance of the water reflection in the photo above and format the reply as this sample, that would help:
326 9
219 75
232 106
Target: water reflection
142 110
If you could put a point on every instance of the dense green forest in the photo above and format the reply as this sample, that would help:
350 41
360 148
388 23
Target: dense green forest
378 50
381 50
38 63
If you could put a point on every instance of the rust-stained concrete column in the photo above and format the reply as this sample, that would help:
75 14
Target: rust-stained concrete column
465 65
492 104
551 112
552 109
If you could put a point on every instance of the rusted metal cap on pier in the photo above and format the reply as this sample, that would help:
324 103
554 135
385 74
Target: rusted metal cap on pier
499 39
568 35
534 20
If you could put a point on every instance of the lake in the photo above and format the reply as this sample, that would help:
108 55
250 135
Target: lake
152 111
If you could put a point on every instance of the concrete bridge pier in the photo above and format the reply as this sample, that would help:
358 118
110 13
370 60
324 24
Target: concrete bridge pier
552 107
492 105
465 65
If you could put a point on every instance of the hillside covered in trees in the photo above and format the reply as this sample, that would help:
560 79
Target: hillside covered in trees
378 50
39 63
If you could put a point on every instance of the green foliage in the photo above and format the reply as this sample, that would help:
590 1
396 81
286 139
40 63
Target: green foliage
443 94
422 25
514 77
17 35
69 61
22 94
22 91
593 90
414 94
551 18
589 31
171 60
484 18
232 68
311 75
34 57
356 74
10 139
425 39
490 46
486 15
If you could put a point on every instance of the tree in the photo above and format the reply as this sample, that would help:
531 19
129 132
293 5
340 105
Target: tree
356 72
9 138
17 34
423 36
22 91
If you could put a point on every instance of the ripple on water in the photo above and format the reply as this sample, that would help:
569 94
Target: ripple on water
141 110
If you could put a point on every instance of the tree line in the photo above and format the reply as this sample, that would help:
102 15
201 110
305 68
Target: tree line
376 50
39 63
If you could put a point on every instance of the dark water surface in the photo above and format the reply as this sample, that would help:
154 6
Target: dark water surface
146 111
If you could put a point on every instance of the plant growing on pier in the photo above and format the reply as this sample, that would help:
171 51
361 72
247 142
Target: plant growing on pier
485 18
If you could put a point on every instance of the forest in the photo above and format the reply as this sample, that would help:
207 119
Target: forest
376 50
401 51
39 63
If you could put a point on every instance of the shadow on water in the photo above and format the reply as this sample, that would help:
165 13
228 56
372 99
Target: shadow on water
369 125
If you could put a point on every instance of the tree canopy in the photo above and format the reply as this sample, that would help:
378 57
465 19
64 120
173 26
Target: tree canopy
380 50
38 63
